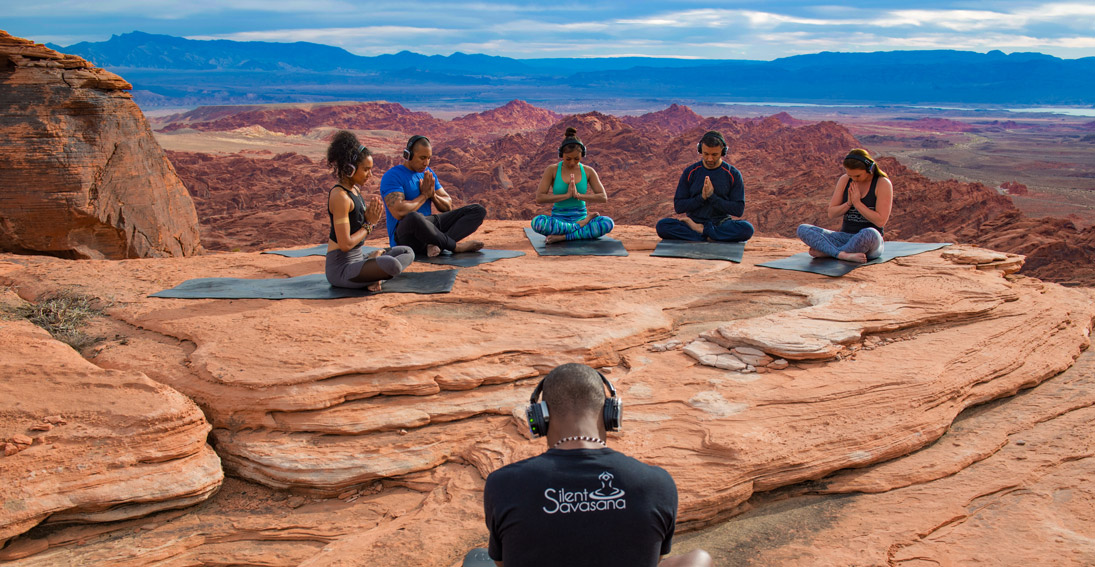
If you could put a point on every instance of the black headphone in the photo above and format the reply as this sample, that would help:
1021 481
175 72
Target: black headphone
537 411
355 156
408 152
570 141
714 134
865 161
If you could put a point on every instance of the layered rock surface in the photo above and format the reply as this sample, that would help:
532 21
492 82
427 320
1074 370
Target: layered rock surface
88 445
81 175
401 404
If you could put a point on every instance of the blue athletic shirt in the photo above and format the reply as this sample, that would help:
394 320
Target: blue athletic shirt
401 179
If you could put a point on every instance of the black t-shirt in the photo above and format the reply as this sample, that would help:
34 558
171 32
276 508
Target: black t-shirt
580 507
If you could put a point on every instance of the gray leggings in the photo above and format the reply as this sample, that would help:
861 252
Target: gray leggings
352 269
831 243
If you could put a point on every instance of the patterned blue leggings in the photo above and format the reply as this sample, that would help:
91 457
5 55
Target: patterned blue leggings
830 242
596 228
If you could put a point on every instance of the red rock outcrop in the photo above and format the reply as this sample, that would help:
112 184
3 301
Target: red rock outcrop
675 120
81 175
93 445
357 399
1015 188
514 116
301 118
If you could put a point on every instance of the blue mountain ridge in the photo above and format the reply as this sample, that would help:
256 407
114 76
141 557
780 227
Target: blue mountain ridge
172 70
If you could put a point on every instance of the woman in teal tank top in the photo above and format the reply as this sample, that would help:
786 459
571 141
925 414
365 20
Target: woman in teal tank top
570 185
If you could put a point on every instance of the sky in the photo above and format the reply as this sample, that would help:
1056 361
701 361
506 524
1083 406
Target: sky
566 28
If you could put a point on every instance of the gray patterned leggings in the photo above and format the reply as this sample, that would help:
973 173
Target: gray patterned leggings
830 242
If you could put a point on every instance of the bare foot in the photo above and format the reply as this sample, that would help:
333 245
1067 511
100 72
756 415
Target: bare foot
555 238
432 250
857 257
375 286
586 220
693 225
467 246
818 253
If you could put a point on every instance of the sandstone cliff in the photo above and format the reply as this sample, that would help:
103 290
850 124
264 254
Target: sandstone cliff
81 175
385 432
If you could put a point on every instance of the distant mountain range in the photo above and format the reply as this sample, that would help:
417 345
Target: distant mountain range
173 71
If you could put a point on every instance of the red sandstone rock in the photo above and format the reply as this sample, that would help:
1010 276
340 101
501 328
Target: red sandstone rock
431 420
302 118
514 116
134 446
81 175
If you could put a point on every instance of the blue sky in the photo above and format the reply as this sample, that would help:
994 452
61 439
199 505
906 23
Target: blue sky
723 30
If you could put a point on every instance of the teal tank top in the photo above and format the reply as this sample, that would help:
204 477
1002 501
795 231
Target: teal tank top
570 206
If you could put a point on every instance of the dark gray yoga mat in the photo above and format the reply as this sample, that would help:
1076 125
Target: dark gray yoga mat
462 260
469 259
311 286
804 262
730 251
603 246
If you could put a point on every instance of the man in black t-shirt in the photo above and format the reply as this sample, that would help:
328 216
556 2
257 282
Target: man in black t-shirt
581 503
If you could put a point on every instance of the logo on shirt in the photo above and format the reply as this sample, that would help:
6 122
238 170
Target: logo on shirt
565 501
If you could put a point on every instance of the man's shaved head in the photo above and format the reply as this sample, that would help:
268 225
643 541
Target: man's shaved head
573 389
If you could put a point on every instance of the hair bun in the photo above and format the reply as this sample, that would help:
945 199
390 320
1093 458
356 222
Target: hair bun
571 132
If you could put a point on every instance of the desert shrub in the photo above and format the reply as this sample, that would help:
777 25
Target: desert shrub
64 314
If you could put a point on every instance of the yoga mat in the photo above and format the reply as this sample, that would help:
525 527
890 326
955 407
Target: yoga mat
469 259
462 260
311 286
804 262
478 557
603 246
730 251
320 250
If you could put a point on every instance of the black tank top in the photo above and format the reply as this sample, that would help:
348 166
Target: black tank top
855 222
357 214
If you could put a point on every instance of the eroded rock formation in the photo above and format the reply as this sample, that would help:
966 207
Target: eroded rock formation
399 405
88 445
81 175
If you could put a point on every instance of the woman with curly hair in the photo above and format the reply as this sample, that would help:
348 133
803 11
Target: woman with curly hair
352 221
864 197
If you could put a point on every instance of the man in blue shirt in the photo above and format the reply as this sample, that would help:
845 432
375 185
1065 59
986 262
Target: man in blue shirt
410 192
710 193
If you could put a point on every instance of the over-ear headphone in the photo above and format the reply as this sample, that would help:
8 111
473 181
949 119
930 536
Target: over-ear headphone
864 160
714 134
538 417
408 152
569 141
355 156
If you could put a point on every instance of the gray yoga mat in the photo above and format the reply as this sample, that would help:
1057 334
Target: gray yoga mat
804 262
462 260
603 246
478 557
730 251
311 286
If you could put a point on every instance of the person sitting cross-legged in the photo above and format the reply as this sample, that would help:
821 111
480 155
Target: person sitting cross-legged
709 193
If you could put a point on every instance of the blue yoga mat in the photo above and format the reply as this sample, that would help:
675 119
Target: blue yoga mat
832 267
603 246
311 286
